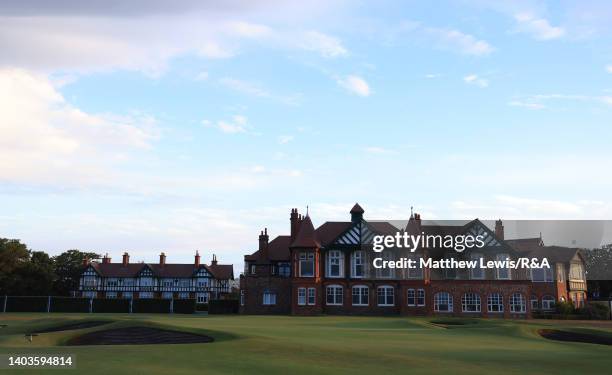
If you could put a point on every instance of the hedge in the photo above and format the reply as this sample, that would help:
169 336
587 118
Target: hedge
147 305
101 305
66 304
223 306
184 306
27 304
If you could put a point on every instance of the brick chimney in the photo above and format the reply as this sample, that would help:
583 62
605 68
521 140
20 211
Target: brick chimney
197 259
499 230
295 222
162 259
214 260
263 243
106 259
126 259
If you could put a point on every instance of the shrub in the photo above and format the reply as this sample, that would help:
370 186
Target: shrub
67 304
184 306
151 305
565 308
223 306
26 304
597 311
101 305
201 307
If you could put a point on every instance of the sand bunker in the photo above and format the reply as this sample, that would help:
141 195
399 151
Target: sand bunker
76 325
138 336
553 334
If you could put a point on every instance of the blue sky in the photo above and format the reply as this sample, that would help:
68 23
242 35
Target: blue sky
151 126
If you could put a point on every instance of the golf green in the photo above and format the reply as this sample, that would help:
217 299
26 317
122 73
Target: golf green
315 345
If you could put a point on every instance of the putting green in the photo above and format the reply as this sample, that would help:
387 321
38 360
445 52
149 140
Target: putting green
317 345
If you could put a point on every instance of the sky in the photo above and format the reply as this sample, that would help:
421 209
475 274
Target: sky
149 126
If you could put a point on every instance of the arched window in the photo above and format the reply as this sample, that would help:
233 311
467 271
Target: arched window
334 295
534 302
495 303
470 302
548 303
443 302
386 296
517 303
361 295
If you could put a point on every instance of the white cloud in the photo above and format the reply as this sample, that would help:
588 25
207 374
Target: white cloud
244 87
474 79
536 101
284 139
433 75
528 105
539 28
327 46
609 68
378 150
46 140
458 41
238 124
355 85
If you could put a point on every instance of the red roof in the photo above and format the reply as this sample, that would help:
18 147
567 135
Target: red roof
357 209
306 236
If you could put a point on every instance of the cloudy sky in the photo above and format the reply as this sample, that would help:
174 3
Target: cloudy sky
153 126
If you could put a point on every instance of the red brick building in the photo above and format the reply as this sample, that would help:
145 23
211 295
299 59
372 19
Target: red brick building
328 270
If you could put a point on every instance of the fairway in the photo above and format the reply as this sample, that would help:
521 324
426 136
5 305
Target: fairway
316 345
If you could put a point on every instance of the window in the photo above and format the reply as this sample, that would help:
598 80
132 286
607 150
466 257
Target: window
411 298
361 295
576 271
451 273
203 297
386 272
443 302
126 295
111 282
111 294
470 302
301 296
145 294
495 303
146 281
334 263
334 295
183 295
548 303
357 263
417 272
306 264
502 273
89 294
534 302
386 296
477 272
421 297
253 268
241 298
269 297
541 275
167 295
560 273
311 296
284 269
517 303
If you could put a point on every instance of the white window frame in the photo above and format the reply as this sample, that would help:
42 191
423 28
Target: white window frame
311 297
337 294
183 295
497 300
534 302
499 257
203 297
127 295
307 256
473 276
360 295
471 303
420 297
357 259
269 298
411 297
145 295
385 294
447 301
518 305
242 298
548 302
111 295
167 295
301 301
335 258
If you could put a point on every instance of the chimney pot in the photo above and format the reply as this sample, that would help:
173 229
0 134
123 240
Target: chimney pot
126 259
197 259
499 229
162 258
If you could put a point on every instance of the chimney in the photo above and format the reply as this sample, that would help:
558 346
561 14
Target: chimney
214 260
85 262
294 218
106 259
499 230
197 259
162 259
126 259
263 243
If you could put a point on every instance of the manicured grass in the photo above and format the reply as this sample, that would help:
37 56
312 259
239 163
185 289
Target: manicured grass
318 345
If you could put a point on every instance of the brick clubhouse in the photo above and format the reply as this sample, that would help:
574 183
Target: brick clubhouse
329 270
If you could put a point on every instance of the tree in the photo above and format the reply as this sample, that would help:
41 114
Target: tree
68 267
35 277
599 271
13 255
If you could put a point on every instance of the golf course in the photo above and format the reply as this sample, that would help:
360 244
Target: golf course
224 344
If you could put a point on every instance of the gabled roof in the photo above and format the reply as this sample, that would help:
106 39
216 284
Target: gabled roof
278 250
306 236
357 209
179 270
330 230
555 254
525 244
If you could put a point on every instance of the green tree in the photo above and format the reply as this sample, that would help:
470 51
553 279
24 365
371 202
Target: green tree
13 256
68 267
35 277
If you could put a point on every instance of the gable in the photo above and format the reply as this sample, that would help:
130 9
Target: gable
476 228
359 233
145 272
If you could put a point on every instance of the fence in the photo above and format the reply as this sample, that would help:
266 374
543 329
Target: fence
53 304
